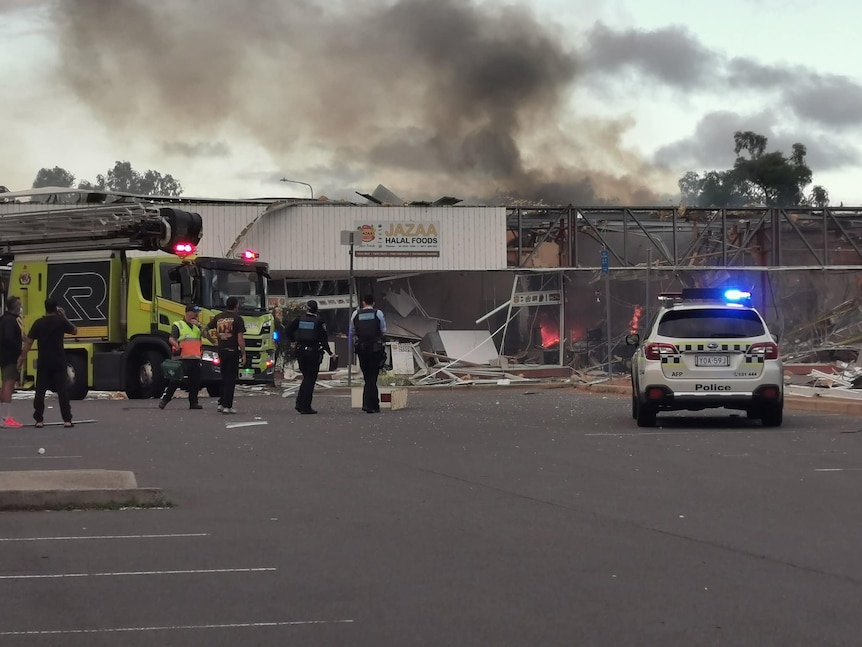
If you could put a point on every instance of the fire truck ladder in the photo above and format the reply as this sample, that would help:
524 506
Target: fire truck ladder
130 225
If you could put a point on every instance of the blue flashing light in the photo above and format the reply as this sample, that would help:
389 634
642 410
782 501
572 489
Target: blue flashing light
737 295
275 335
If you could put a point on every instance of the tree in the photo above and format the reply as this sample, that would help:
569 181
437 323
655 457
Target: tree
819 196
122 178
760 178
154 183
126 179
53 177
714 189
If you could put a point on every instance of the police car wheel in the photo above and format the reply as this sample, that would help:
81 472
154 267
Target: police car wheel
646 415
772 415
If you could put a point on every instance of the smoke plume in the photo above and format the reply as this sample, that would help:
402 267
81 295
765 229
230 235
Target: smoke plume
430 97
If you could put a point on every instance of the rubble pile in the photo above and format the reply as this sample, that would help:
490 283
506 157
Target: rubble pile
822 355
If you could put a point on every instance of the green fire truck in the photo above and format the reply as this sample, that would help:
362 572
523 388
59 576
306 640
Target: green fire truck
124 270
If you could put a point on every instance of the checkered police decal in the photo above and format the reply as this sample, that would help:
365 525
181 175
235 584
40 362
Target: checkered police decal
703 346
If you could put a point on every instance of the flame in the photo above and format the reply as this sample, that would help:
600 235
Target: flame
550 331
636 318
577 334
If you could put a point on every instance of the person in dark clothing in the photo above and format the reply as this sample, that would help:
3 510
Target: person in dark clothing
229 329
309 334
51 366
11 343
185 340
368 325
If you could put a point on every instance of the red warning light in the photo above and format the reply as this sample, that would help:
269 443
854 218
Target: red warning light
184 249
250 255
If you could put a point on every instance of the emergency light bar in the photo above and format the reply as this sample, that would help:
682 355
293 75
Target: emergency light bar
737 295
250 255
670 297
184 249
731 296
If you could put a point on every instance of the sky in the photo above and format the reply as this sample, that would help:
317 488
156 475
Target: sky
491 101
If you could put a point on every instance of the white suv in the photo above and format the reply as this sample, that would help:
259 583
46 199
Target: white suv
707 348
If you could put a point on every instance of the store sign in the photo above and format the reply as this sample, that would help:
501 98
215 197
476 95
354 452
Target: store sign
399 238
550 298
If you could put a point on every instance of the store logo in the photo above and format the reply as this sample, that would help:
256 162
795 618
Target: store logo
367 232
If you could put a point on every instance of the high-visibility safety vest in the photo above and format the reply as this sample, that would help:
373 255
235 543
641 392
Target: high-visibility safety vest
189 340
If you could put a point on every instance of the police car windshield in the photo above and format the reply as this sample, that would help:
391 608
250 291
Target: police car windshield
709 323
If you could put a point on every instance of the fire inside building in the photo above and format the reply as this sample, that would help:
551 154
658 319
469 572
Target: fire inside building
495 287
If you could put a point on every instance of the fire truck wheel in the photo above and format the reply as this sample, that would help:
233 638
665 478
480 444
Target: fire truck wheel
151 382
77 369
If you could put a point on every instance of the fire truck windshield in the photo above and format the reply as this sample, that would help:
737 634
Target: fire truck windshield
248 286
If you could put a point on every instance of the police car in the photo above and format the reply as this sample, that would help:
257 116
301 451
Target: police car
707 348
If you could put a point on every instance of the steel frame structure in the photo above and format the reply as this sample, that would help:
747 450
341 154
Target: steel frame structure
694 238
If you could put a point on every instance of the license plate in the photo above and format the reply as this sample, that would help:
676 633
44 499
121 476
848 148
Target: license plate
246 375
712 360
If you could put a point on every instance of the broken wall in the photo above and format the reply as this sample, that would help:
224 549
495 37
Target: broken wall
806 309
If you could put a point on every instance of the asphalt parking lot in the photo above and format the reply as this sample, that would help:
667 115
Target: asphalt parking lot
506 516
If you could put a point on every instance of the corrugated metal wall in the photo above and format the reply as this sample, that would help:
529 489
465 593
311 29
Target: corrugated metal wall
305 239
223 223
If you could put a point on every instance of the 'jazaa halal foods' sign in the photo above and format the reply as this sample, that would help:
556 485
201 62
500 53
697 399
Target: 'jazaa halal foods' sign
398 238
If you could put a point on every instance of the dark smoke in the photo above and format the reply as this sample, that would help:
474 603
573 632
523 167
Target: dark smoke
430 97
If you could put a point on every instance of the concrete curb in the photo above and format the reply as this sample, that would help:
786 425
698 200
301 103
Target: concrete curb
81 499
63 489
821 404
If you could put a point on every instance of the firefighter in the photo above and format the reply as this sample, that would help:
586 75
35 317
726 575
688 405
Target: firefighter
368 326
185 340
308 333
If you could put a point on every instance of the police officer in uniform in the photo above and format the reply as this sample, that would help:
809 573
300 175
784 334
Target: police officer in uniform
185 339
368 327
309 334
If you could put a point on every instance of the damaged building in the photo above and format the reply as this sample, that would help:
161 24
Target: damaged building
475 293
484 291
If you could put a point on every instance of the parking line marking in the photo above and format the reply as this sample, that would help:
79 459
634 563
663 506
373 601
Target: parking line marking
208 571
238 625
234 425
72 538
